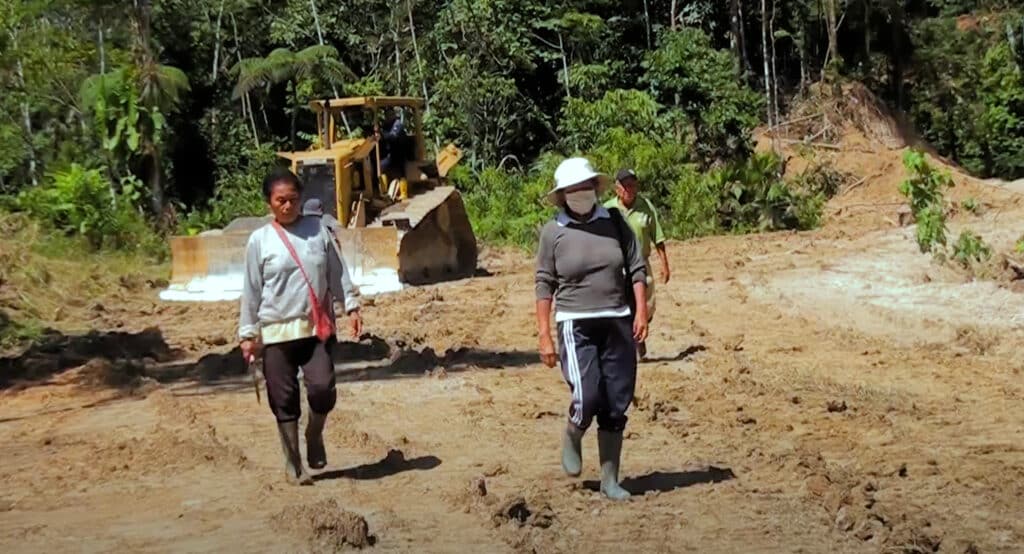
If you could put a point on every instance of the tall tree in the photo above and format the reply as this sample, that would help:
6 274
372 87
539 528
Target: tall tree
305 68
832 28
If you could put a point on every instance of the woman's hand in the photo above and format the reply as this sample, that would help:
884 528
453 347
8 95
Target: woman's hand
640 317
250 349
355 322
640 326
547 350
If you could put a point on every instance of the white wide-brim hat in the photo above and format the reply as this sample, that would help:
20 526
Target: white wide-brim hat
574 171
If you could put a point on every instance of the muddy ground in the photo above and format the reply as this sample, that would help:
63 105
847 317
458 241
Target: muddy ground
831 391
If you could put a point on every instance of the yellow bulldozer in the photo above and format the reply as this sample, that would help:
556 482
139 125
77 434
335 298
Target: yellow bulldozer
398 222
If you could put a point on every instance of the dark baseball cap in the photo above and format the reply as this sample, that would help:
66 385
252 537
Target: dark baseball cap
624 174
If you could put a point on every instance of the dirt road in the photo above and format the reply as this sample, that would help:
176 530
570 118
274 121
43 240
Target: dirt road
817 392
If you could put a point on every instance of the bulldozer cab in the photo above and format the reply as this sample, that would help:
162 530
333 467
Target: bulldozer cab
370 171
369 152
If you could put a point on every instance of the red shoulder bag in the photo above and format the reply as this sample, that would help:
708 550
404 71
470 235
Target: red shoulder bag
323 323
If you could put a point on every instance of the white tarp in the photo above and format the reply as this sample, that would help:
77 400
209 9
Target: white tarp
225 288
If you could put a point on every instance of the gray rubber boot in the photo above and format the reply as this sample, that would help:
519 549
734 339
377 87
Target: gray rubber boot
289 433
609 447
316 453
572 450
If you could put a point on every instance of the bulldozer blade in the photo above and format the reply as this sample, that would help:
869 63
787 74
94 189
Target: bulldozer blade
207 268
371 257
424 240
210 266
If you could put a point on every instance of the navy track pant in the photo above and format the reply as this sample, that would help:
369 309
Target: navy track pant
599 364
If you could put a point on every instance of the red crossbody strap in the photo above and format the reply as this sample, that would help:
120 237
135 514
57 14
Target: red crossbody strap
295 256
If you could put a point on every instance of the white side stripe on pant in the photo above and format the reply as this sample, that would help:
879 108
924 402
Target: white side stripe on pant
573 370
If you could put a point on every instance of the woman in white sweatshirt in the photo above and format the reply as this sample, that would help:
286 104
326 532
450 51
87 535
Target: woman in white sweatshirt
293 274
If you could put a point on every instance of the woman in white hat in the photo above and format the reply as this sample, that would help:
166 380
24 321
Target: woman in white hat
590 265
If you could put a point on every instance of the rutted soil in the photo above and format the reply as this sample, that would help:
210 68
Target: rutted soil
831 391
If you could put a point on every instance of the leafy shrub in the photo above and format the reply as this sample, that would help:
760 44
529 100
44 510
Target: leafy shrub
508 207
692 207
80 201
505 207
688 72
968 93
971 205
584 124
924 188
753 197
970 249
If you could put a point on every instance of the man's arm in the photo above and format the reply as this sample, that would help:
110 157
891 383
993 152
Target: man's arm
659 243
666 273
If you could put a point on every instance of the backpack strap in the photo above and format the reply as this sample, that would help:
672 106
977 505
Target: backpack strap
623 232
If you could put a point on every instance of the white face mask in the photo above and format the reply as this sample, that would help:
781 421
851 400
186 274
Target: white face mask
581 201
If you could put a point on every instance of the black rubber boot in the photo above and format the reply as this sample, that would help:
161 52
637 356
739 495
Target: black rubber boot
609 447
296 472
572 450
316 454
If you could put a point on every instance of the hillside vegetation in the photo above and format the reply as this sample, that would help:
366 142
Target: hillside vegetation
176 108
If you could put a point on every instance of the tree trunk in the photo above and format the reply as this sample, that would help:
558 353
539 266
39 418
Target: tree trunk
216 45
833 32
320 39
295 115
647 24
896 28
156 187
734 38
867 33
767 75
26 119
316 22
247 107
246 99
565 66
802 53
775 73
747 68
398 63
672 15
102 49
419 60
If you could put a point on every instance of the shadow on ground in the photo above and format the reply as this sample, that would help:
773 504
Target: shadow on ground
126 354
411 363
685 354
124 360
392 464
660 481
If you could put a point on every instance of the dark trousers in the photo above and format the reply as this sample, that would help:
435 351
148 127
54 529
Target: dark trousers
281 363
599 364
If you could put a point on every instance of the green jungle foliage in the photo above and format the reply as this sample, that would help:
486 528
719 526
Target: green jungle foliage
925 188
165 114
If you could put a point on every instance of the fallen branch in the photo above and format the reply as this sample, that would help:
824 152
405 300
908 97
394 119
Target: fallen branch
878 205
824 145
792 121
855 185
815 136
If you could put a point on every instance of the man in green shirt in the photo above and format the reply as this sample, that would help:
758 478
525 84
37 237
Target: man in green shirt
642 218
